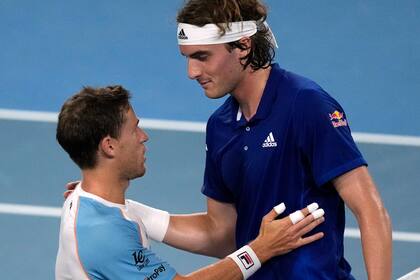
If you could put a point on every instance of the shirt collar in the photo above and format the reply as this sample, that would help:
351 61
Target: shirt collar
267 100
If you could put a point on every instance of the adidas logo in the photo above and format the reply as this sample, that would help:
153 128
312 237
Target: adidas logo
182 36
269 142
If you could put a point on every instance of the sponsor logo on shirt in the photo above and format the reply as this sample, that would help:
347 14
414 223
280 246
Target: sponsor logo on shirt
246 260
156 273
140 260
269 141
337 119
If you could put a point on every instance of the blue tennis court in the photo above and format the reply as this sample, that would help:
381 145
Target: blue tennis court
364 53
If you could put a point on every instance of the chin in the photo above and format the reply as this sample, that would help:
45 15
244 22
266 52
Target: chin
214 95
138 174
141 173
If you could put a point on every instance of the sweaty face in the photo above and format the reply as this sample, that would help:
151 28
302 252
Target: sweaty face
131 147
216 69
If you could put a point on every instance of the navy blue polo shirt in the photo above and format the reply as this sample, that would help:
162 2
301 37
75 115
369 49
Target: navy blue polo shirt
296 143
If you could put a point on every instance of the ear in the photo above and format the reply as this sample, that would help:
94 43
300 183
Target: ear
246 43
108 146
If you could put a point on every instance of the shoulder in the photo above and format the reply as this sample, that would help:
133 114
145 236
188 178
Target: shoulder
290 81
304 94
96 225
312 99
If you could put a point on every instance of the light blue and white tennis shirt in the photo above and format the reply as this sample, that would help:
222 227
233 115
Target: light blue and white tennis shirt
104 240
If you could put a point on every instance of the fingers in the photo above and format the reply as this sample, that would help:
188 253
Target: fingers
316 215
305 229
277 210
300 218
310 239
70 188
72 185
299 215
280 208
67 193
310 226
270 216
296 217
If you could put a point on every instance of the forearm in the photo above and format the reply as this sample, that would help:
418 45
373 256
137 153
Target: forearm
225 269
376 234
241 264
360 194
199 233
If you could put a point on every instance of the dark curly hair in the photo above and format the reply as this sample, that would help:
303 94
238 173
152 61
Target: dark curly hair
221 12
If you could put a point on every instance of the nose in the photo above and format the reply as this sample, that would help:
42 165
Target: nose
194 70
142 135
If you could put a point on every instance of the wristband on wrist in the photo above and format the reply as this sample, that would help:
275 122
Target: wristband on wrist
247 261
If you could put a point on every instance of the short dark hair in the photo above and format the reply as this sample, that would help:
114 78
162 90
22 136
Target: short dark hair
221 12
89 116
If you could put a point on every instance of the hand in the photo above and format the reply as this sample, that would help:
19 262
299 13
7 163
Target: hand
278 237
70 188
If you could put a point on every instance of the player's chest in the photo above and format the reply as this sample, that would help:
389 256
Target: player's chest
251 151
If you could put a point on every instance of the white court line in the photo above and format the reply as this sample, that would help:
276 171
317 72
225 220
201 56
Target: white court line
22 115
396 235
32 210
413 275
38 116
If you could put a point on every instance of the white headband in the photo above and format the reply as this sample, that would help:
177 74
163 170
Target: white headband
209 34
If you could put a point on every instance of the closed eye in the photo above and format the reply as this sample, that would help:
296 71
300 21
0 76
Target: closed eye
200 55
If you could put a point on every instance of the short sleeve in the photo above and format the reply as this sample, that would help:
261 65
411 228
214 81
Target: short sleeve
324 136
213 185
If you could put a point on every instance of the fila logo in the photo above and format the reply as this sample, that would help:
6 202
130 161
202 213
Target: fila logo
246 260
182 36
269 142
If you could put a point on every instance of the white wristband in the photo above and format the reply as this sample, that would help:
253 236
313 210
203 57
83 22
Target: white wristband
155 221
247 261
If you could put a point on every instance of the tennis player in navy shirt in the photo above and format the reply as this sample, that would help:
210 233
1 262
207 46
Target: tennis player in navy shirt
277 137
291 149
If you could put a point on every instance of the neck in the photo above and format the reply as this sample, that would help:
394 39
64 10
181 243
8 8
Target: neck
104 184
250 90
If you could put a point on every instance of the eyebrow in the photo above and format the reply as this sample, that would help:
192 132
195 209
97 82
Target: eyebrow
197 54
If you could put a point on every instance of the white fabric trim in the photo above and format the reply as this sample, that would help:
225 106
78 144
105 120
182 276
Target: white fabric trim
239 114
